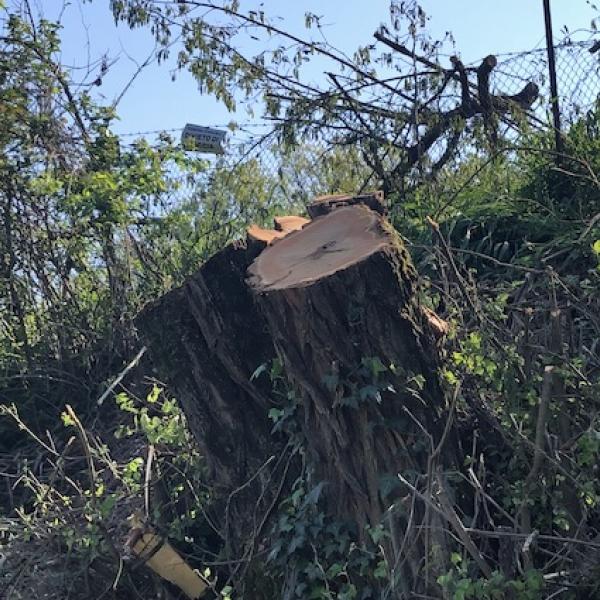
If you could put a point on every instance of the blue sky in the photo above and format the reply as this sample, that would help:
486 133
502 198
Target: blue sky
153 101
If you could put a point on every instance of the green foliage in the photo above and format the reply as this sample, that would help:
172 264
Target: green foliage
459 585
160 422
321 558
472 360
78 509
92 230
93 227
568 189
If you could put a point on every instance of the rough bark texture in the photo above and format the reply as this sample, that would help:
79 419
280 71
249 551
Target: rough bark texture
206 339
337 302
348 299
324 323
325 204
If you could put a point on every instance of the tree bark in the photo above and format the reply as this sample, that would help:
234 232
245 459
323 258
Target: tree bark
337 302
340 300
206 339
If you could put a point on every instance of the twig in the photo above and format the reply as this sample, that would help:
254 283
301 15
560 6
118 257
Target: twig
460 530
541 422
12 412
448 425
149 459
462 284
539 453
88 452
497 262
140 68
121 375
451 517
542 537
593 221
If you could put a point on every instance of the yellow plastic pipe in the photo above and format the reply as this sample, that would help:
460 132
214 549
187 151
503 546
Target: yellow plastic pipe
164 560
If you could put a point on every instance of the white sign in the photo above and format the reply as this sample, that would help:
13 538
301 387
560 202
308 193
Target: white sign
205 139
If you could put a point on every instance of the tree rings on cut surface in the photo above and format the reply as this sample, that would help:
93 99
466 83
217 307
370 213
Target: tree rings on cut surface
329 244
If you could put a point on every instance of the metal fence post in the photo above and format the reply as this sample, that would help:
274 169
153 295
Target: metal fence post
554 100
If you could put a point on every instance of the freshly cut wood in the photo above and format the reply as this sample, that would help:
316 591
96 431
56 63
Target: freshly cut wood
325 204
439 327
164 560
290 223
283 226
266 236
327 245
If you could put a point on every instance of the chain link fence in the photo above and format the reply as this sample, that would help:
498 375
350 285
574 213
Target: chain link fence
298 176
577 71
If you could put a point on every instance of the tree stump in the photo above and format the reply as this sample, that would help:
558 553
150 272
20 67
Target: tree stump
340 300
336 300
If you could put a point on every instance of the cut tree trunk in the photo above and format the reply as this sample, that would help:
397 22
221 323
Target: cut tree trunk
340 300
206 339
337 301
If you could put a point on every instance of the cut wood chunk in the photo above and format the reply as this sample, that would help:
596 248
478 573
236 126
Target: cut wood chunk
166 562
331 243
267 236
325 204
439 327
289 223
341 303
